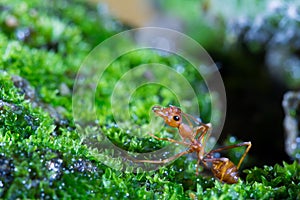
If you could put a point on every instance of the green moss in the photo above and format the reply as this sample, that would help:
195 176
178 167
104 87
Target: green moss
42 155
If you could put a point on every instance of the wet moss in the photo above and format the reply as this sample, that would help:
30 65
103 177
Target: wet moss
42 155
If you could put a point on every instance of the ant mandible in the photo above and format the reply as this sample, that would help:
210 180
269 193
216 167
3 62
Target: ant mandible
222 168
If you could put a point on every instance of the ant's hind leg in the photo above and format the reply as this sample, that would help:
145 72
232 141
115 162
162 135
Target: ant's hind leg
204 131
248 144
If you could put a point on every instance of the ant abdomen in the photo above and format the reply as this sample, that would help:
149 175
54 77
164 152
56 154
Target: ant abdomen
225 170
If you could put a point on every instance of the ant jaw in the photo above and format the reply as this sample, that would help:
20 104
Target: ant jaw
159 111
156 108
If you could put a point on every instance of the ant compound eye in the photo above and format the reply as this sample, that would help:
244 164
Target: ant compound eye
176 118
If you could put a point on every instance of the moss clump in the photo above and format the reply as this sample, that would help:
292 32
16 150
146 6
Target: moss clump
42 155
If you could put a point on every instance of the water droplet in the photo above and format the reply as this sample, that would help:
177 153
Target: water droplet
232 139
179 68
23 33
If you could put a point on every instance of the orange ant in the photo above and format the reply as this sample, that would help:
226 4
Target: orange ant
222 168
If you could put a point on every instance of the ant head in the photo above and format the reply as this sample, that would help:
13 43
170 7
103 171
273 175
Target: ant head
171 115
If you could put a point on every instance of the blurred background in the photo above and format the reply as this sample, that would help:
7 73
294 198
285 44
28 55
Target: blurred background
256 45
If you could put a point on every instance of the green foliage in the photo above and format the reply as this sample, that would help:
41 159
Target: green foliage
144 96
286 176
256 186
282 181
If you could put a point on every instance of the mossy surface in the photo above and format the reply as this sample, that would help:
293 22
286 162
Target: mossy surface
42 155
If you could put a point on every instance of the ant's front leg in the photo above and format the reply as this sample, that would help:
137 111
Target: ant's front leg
203 130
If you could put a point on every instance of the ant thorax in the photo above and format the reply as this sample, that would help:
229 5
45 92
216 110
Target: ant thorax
185 132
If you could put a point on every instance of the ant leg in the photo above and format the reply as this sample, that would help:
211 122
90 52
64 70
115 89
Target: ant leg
170 140
204 130
165 160
248 144
199 128
197 167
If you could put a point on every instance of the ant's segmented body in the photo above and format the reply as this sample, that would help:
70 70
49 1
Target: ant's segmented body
195 139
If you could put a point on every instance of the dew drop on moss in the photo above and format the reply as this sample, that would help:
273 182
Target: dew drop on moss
23 33
232 139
